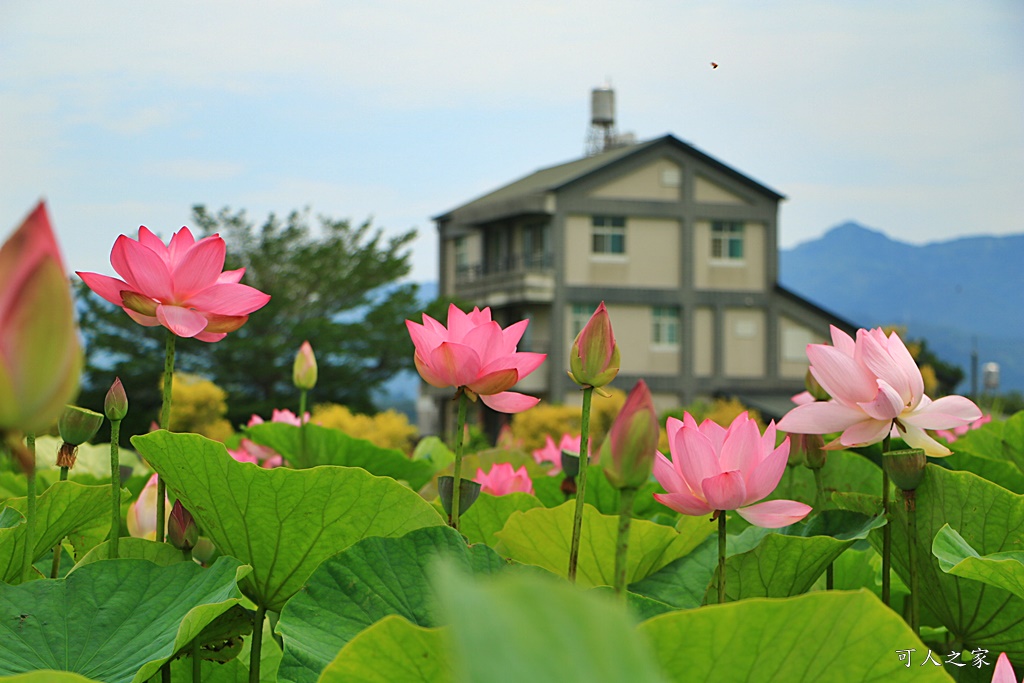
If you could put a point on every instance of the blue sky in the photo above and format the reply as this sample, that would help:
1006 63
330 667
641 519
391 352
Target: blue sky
908 116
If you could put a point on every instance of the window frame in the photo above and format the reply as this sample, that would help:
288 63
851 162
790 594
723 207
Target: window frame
666 328
724 236
604 230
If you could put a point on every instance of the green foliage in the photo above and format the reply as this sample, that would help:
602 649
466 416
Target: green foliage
390 650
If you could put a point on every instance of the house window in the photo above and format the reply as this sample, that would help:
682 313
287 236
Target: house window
727 240
580 316
461 254
665 330
609 235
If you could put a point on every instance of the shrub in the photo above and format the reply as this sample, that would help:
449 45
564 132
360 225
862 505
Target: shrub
388 429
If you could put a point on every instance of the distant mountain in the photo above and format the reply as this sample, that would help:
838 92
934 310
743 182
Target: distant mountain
950 293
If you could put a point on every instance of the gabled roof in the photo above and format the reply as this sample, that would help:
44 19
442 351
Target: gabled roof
553 178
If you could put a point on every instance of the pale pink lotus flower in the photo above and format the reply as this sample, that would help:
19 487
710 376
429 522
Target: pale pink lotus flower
286 416
714 468
1003 672
552 452
503 479
877 390
475 355
141 518
179 286
265 456
40 357
951 435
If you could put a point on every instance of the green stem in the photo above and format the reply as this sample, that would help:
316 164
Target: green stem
886 530
165 423
115 488
257 644
626 498
55 565
819 483
30 510
197 661
302 429
721 557
911 507
830 577
581 483
165 673
460 427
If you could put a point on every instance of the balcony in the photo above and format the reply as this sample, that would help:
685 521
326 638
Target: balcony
508 280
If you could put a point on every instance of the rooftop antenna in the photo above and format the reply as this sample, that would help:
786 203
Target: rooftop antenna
602 134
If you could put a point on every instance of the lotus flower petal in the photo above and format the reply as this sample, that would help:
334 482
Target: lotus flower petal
774 514
685 502
509 402
181 321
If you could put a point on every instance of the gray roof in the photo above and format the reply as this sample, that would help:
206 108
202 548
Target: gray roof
555 177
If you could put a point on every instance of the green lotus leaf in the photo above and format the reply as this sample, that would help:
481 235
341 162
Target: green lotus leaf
990 519
1001 441
957 557
46 677
314 445
835 636
370 580
114 621
490 513
130 548
282 522
64 510
542 536
523 627
392 650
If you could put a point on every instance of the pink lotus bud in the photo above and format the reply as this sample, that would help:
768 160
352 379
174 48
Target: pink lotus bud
629 449
141 517
594 358
181 528
115 405
304 370
40 358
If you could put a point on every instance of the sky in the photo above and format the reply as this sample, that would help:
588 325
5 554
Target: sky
907 117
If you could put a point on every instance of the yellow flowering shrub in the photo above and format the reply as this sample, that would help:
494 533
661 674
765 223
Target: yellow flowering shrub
199 406
387 429
530 427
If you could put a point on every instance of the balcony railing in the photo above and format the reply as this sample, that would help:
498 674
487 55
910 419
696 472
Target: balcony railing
513 278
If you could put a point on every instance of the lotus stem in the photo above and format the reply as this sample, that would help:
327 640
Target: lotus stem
197 661
721 557
257 644
830 576
910 504
302 427
819 484
626 498
115 488
165 423
30 507
55 565
886 530
460 427
165 673
581 483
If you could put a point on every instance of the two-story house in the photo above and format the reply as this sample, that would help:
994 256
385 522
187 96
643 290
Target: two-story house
680 246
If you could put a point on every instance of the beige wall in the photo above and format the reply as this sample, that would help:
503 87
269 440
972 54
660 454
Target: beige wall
651 258
793 341
703 342
747 274
744 342
647 183
633 326
707 192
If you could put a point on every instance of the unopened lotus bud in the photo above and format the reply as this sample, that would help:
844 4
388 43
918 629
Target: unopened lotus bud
628 450
812 449
304 369
906 467
815 389
181 528
115 405
594 358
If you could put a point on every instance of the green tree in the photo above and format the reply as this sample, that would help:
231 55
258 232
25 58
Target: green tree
335 284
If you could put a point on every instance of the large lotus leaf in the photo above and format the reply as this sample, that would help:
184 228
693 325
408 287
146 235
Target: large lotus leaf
130 548
600 493
372 579
314 445
282 522
1003 441
956 556
65 510
834 636
542 536
990 519
521 627
784 562
490 513
114 621
844 471
683 582
46 677
393 650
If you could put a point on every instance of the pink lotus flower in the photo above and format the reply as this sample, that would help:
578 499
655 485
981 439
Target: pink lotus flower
265 456
552 452
502 479
141 516
180 286
877 390
286 416
473 354
714 468
951 435
1003 672
40 358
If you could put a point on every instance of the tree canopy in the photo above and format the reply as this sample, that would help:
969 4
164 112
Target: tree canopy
335 284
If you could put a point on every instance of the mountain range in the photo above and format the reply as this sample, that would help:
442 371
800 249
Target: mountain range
958 295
